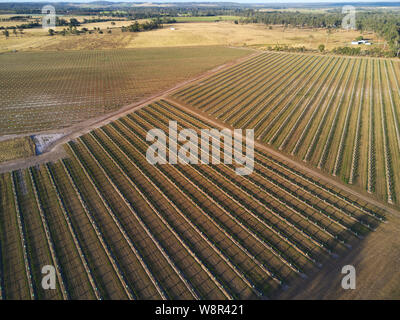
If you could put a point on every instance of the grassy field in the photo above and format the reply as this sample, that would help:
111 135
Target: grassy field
206 19
185 34
336 114
50 90
16 148
115 226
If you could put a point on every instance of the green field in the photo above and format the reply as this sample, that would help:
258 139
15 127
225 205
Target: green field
338 114
50 90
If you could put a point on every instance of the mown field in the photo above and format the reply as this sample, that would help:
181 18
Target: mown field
117 227
338 114
50 90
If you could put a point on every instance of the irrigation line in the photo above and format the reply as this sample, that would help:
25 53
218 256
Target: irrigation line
48 236
141 222
24 246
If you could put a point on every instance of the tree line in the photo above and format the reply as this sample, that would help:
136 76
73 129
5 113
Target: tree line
148 25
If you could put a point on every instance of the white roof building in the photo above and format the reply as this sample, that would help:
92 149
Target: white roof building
361 42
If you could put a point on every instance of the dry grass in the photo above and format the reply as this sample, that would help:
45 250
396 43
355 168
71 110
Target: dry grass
50 90
16 148
185 34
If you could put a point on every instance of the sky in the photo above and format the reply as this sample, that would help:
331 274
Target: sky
237 1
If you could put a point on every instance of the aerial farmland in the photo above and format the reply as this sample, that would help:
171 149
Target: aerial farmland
340 117
217 170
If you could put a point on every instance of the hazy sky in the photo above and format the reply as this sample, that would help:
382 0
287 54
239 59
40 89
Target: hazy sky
240 1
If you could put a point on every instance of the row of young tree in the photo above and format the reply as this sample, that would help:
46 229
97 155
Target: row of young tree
148 25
